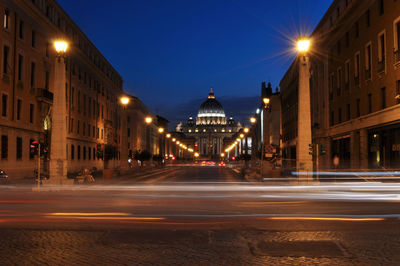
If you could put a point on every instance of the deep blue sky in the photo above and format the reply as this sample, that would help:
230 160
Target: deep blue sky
170 52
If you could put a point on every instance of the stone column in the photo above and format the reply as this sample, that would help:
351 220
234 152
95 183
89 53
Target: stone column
363 149
304 161
58 153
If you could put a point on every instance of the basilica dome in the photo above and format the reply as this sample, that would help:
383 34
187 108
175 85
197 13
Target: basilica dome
211 112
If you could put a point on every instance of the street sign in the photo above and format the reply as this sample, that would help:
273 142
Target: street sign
269 149
268 155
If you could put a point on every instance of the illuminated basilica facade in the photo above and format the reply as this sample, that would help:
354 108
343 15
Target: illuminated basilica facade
210 129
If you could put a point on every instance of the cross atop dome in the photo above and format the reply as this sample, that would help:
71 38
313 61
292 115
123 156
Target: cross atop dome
211 94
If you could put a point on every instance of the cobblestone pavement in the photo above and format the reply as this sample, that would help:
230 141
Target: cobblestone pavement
238 245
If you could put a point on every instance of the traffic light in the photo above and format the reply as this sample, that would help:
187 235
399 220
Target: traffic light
311 148
33 148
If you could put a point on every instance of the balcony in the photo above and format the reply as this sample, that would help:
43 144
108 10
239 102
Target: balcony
367 74
381 66
397 57
45 95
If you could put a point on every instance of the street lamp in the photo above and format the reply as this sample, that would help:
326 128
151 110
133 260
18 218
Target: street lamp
253 120
148 120
246 130
303 44
61 48
266 101
304 161
160 130
124 100
58 151
168 135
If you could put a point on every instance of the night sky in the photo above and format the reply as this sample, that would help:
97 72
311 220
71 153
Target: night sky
170 52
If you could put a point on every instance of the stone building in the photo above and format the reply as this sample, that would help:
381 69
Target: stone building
92 89
355 86
209 128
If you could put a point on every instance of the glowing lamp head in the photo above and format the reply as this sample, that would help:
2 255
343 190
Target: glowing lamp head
178 142
266 101
242 135
148 120
253 120
246 130
61 47
174 139
160 130
125 100
168 135
303 45
196 154
222 154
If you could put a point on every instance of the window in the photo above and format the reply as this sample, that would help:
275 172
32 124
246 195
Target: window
348 112
31 112
6 51
102 132
339 81
21 29
72 152
6 19
368 61
332 118
357 69
84 104
79 152
19 148
79 101
47 80
4 147
396 26
71 125
4 102
84 129
47 49
77 127
368 18
347 73
383 97
33 71
84 152
358 108
129 132
89 153
33 41
369 103
20 66
381 7
347 39
19 109
94 153
340 115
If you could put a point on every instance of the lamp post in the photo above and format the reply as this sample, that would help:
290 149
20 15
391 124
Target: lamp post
161 143
148 120
124 100
58 153
304 161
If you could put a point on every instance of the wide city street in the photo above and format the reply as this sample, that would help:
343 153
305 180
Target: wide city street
200 215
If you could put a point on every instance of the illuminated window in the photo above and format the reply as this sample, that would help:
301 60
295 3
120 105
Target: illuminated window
197 130
215 130
223 130
6 19
190 130
204 130
230 130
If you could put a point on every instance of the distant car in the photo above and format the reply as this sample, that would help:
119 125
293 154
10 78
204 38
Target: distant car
3 175
222 164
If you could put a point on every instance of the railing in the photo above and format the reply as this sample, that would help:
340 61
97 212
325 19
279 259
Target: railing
381 66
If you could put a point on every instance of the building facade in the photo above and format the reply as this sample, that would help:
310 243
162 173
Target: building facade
92 90
210 128
355 86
